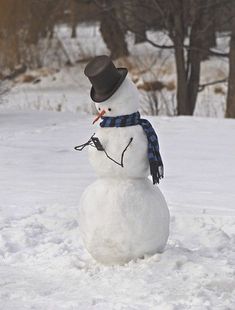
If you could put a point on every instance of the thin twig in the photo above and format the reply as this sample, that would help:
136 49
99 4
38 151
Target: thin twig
201 87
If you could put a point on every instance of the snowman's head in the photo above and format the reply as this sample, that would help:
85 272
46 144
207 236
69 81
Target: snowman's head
124 101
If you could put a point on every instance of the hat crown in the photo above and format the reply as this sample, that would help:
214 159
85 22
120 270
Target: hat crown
104 77
97 65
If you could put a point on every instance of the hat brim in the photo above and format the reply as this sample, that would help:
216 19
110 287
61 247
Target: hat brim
102 97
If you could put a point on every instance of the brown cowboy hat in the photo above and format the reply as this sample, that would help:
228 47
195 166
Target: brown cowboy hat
104 77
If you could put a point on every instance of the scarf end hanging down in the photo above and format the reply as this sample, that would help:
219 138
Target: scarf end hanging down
156 171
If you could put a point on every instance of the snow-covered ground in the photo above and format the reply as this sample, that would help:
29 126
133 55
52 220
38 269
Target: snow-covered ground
43 264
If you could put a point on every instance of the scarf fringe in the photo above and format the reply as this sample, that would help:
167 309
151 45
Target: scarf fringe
156 171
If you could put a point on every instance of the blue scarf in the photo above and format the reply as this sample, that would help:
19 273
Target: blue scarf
154 157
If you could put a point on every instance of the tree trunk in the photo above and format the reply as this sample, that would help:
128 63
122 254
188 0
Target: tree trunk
177 34
230 108
73 11
194 62
189 66
140 37
112 33
193 81
182 106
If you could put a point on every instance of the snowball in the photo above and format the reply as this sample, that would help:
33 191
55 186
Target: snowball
123 219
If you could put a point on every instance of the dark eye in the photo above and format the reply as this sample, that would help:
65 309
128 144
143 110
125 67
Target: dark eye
109 109
99 109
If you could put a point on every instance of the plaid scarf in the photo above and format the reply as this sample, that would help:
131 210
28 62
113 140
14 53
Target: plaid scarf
154 157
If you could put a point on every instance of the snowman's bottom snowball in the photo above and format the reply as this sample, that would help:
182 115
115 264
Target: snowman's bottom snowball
121 220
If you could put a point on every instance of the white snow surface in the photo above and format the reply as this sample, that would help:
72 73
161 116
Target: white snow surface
43 264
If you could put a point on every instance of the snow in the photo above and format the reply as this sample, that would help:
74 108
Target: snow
43 264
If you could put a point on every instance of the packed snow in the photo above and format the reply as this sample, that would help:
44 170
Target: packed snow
43 263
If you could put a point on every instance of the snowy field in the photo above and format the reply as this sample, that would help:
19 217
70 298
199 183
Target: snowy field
43 264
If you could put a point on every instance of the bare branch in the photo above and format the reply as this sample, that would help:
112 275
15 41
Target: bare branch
201 87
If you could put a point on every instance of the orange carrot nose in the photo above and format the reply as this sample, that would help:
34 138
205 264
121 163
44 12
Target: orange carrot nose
99 116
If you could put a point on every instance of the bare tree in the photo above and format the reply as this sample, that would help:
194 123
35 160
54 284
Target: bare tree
188 19
111 30
182 19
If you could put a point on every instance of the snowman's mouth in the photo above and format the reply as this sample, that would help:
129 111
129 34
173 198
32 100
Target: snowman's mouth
99 116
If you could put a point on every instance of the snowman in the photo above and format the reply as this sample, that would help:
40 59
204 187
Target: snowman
122 215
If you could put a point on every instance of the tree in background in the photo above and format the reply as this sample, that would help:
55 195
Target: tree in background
191 25
111 29
199 29
13 20
22 25
181 20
